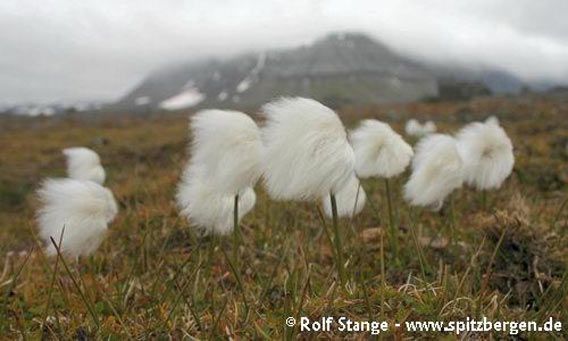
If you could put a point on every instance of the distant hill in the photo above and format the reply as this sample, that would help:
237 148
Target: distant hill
338 69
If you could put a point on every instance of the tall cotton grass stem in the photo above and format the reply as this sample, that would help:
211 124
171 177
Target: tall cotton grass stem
360 192
381 152
392 225
225 160
211 253
452 219
350 200
375 209
337 239
236 231
306 155
419 252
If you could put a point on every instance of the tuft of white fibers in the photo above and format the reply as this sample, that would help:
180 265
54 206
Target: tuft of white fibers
437 170
492 120
429 128
84 208
417 129
306 153
350 199
412 127
207 209
84 164
227 145
379 150
487 152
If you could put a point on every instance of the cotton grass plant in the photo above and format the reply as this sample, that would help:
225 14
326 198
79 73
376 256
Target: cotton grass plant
488 156
437 170
76 214
418 130
306 156
383 153
75 211
223 169
84 164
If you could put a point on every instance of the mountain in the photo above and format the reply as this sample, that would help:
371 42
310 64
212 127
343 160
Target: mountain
33 109
338 69
491 80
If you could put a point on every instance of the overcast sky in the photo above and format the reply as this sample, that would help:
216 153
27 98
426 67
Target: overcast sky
53 50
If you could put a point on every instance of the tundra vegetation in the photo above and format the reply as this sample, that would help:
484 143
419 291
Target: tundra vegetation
505 255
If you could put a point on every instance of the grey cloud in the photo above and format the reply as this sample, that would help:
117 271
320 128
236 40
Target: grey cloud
97 49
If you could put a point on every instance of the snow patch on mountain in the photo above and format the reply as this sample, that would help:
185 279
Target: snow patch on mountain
186 99
246 83
222 96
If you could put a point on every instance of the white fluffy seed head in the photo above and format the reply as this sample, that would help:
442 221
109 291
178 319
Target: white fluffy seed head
350 199
207 209
429 128
84 164
84 208
492 120
487 152
306 153
227 145
416 129
411 127
379 150
437 170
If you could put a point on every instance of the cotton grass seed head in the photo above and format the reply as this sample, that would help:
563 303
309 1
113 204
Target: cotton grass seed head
379 150
306 153
84 208
84 164
429 128
350 199
417 129
227 145
207 209
487 152
411 127
437 170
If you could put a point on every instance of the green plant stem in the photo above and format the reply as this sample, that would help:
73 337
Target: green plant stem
375 209
236 232
76 284
338 247
452 220
240 283
55 272
392 226
559 213
421 257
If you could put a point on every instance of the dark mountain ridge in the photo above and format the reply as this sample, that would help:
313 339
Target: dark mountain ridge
339 69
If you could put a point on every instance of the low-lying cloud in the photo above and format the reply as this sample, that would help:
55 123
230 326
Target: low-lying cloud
63 50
